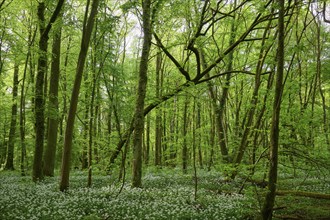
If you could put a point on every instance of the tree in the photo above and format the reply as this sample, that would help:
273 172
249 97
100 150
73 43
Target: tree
267 210
86 36
141 93
158 131
39 86
9 164
53 115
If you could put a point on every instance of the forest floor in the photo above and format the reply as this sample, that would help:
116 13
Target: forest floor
166 194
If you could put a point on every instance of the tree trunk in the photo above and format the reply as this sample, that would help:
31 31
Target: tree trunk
267 210
158 131
39 96
219 111
53 117
211 140
199 136
139 108
147 142
86 35
39 87
254 101
9 164
185 128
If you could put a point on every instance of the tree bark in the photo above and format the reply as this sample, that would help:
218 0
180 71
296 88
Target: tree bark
9 165
86 36
39 96
139 108
53 117
158 131
37 173
184 134
267 210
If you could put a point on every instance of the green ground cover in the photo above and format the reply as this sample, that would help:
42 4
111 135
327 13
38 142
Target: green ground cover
166 194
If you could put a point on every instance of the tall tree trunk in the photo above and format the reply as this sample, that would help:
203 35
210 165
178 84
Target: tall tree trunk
139 108
185 128
199 138
211 138
64 85
86 36
39 87
39 96
147 142
84 153
319 78
218 111
267 210
92 123
9 164
158 132
22 100
53 117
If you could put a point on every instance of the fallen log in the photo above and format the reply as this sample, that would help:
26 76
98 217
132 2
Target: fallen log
303 194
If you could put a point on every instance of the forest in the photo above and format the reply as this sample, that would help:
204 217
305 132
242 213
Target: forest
164 109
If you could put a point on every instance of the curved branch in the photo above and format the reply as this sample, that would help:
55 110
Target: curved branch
172 58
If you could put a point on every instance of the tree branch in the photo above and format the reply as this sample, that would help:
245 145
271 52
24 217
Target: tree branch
54 17
172 58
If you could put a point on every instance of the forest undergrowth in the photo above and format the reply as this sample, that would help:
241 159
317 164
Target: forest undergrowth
166 194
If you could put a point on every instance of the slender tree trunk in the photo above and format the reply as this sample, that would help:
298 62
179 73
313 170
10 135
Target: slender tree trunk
86 35
218 111
84 153
199 141
39 87
9 164
254 101
53 117
211 138
185 128
139 108
267 210
158 131
173 132
22 115
39 96
194 128
147 142
323 97
64 86
92 124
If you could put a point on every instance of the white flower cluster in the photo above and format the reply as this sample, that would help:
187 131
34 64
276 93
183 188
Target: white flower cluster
163 197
